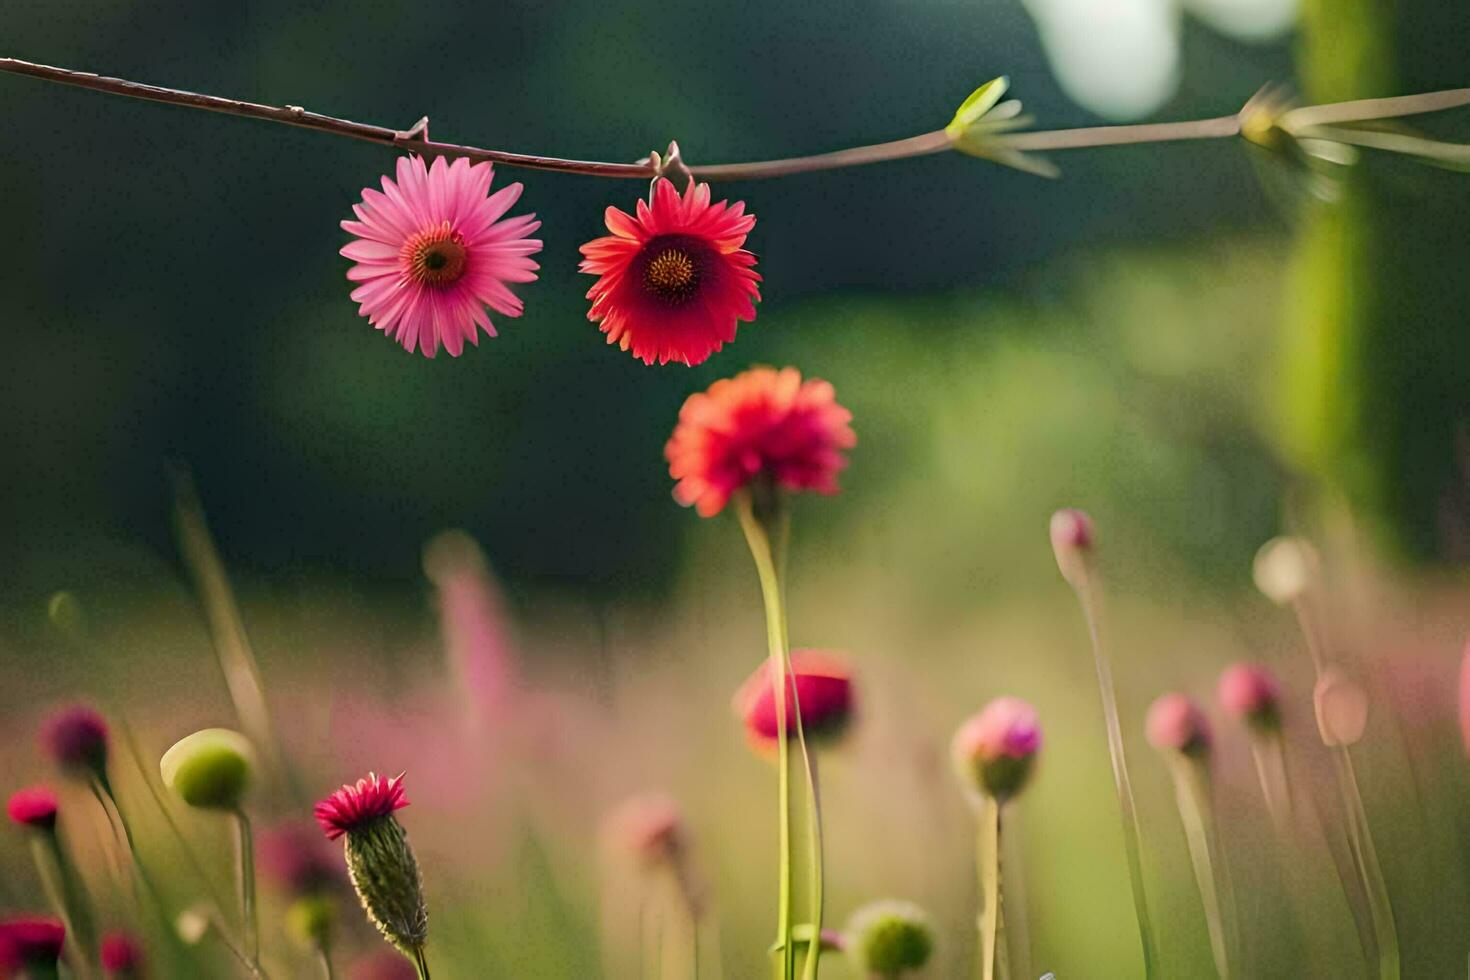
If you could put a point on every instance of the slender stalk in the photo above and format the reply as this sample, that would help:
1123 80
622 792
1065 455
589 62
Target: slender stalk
650 919
987 861
421 962
324 960
1370 873
680 939
415 138
245 875
760 549
63 890
1269 756
1086 594
1192 793
814 845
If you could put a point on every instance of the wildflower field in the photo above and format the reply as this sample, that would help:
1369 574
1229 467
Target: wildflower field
954 539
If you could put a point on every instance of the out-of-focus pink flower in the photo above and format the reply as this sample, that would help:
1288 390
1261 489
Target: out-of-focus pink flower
350 807
674 281
432 254
1176 724
648 828
385 964
1465 699
30 942
1342 707
995 748
821 685
76 739
1251 693
762 424
1072 537
122 956
34 806
472 621
293 857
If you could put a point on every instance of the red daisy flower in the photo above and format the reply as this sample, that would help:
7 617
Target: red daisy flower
762 423
821 685
674 279
34 806
353 806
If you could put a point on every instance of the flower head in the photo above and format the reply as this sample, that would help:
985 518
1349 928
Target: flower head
674 280
210 769
762 424
351 807
296 859
30 943
1072 537
432 253
648 828
1175 724
1284 569
1251 693
34 806
996 749
1341 704
122 956
888 938
821 686
76 738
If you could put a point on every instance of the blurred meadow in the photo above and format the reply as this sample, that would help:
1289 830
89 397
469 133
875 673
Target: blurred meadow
471 570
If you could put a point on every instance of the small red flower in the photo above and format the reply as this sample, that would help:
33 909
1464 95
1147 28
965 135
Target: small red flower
121 955
29 941
1251 693
674 280
1175 723
760 424
76 738
821 685
353 806
34 806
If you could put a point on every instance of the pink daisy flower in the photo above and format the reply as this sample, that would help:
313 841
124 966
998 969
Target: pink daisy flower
432 253
674 280
369 799
762 424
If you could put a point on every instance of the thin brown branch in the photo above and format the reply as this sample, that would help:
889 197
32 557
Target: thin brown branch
1222 127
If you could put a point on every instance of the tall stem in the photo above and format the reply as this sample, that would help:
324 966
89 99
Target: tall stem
1192 793
987 860
421 962
759 540
245 874
1086 594
324 959
1370 873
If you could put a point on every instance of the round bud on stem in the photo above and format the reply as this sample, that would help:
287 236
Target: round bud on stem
1251 693
889 938
1342 708
30 945
210 769
1284 569
648 829
996 749
1072 539
1175 724
122 957
76 740
821 686
34 807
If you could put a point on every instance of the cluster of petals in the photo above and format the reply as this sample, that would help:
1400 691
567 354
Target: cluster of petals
1006 728
370 798
761 425
673 281
34 806
820 686
1175 723
433 254
76 738
1249 691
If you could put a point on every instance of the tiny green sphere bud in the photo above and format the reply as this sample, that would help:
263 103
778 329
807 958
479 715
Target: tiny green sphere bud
888 938
209 769
310 921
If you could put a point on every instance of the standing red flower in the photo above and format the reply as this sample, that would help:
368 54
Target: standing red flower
760 424
821 684
674 280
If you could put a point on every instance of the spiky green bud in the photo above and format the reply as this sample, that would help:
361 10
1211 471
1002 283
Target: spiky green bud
385 874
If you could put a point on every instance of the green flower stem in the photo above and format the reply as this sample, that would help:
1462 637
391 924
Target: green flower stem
1365 860
1086 595
421 962
1269 754
245 874
1192 793
324 959
987 863
67 896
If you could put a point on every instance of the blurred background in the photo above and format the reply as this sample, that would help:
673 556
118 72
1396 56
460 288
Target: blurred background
1179 338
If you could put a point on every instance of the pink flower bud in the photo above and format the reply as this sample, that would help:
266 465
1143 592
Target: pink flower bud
996 749
34 806
76 739
1342 708
1071 541
297 860
820 682
647 828
1465 699
1250 693
122 957
30 944
1175 724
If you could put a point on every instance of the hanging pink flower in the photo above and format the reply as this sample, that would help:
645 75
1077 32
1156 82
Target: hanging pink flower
674 280
821 684
433 254
762 424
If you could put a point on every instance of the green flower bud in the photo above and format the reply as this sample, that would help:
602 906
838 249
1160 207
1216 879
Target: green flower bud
311 921
889 938
209 769
386 877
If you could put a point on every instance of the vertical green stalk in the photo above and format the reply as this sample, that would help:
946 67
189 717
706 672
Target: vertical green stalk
1086 595
324 958
1370 873
421 963
1269 756
757 536
680 940
987 861
1192 793
245 874
67 896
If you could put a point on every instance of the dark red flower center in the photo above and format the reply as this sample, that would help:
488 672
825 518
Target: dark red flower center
670 268
435 256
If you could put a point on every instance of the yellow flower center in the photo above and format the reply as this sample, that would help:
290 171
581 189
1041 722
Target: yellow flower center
670 273
435 256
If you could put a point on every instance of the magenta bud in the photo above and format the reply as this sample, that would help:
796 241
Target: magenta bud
34 806
1251 693
1175 724
30 944
1072 538
122 957
996 749
1342 708
649 829
76 739
821 684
